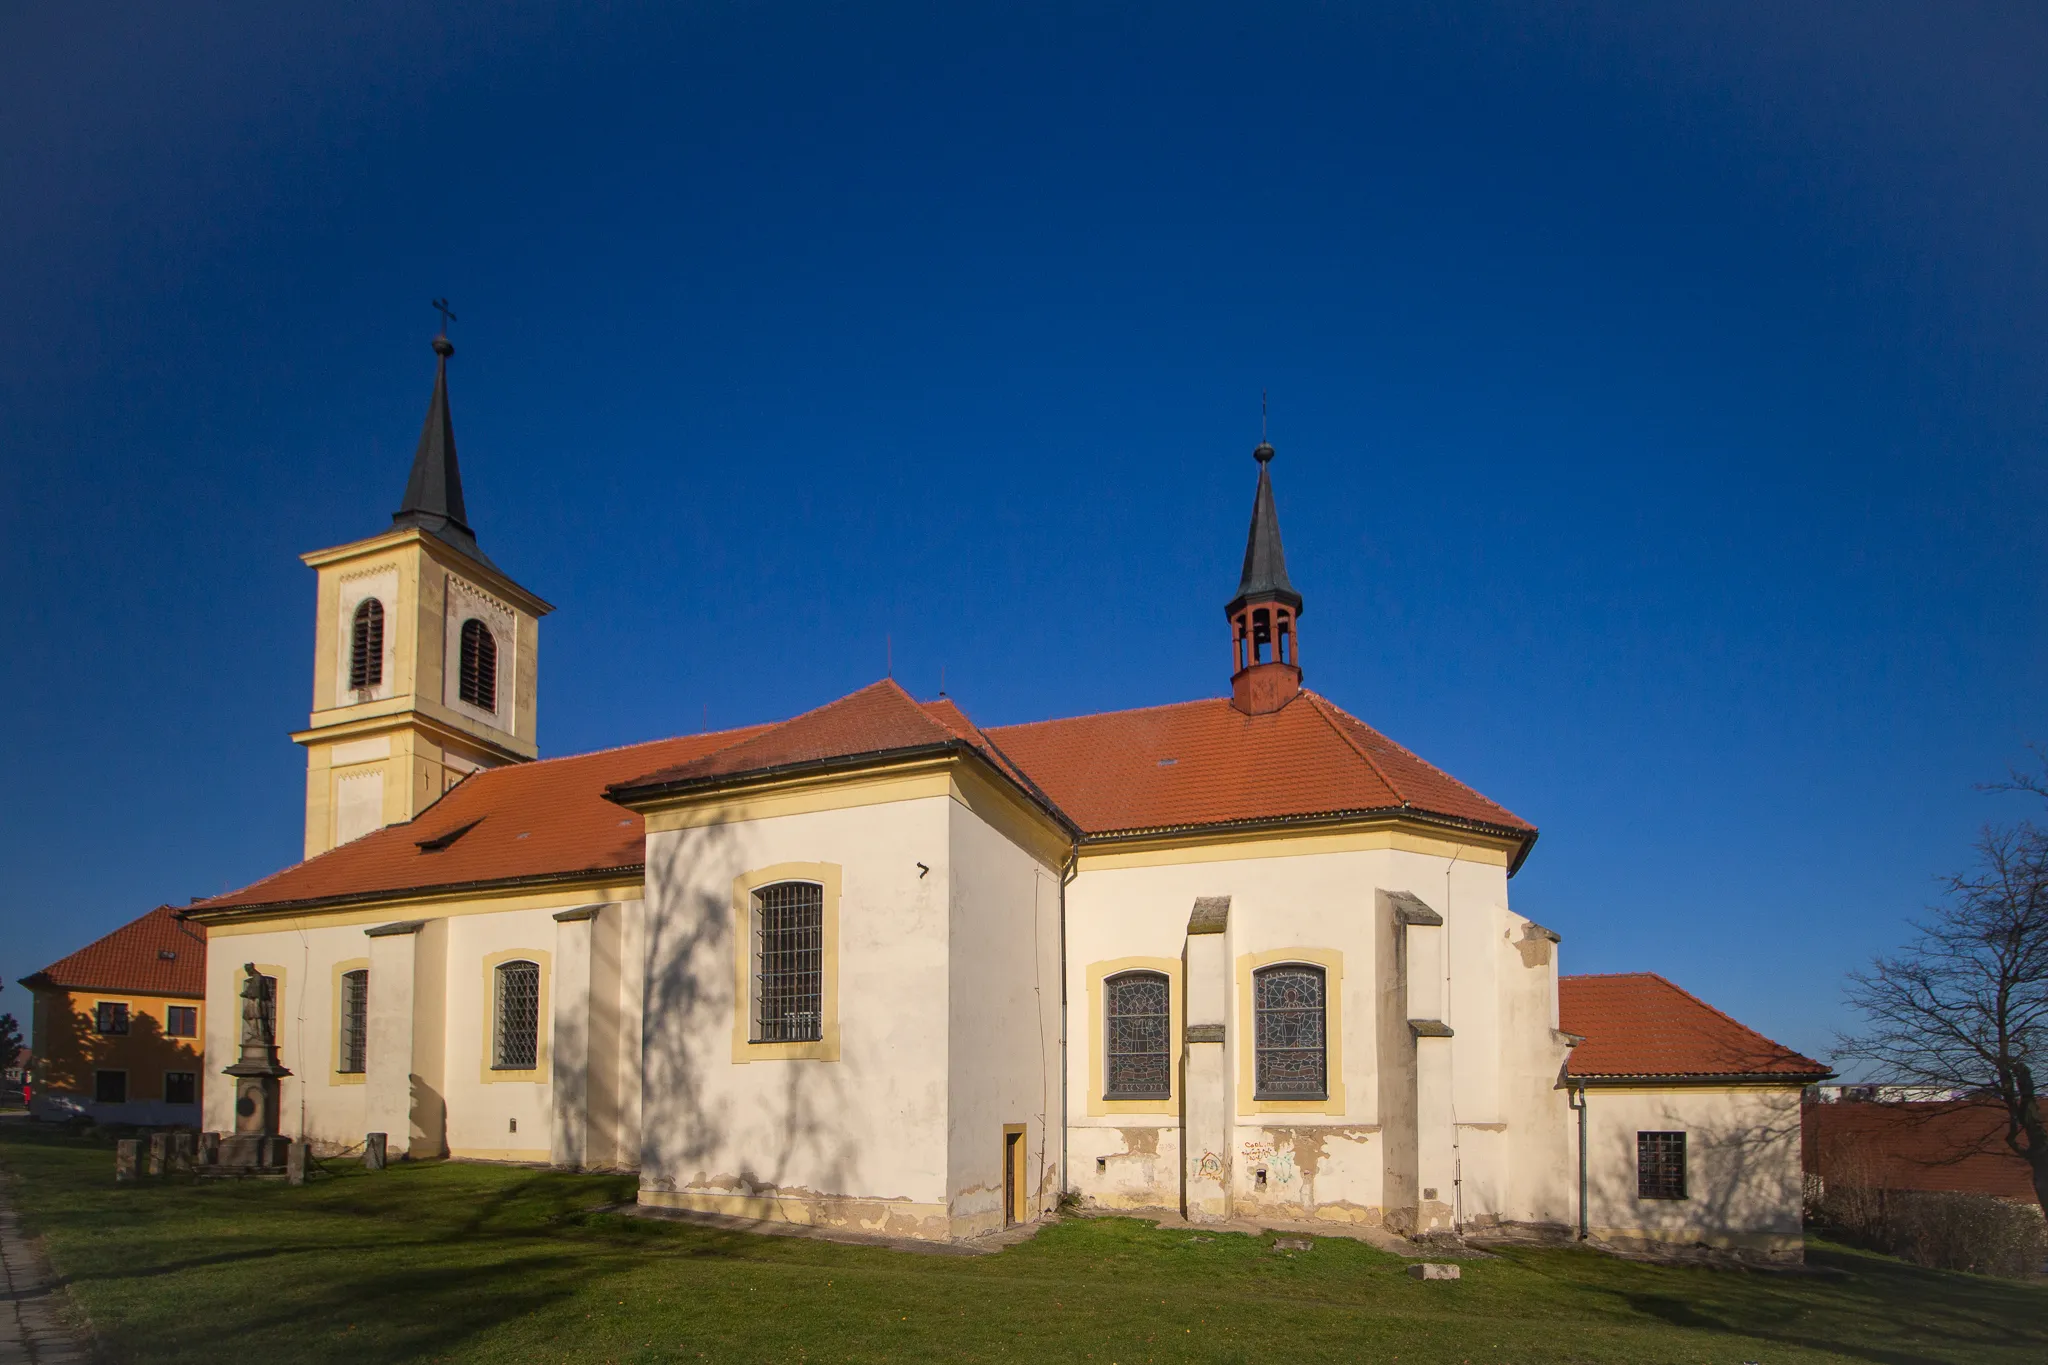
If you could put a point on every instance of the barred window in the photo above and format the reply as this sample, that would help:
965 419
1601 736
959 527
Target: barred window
479 681
110 1016
355 1020
1660 1165
366 645
789 959
1289 1035
1138 1035
181 1087
110 1087
518 1046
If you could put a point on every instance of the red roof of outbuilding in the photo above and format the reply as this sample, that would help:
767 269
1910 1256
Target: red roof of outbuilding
132 958
1637 1024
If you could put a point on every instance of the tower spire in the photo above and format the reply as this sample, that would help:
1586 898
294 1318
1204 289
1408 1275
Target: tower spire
1265 650
433 492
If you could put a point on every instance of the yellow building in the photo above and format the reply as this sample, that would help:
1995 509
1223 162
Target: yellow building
117 1027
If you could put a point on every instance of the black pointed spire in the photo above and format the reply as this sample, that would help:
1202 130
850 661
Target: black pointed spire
1265 563
433 494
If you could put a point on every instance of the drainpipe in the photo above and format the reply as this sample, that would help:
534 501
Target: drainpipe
1067 874
1575 1095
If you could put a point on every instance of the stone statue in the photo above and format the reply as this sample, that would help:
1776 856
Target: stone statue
259 1025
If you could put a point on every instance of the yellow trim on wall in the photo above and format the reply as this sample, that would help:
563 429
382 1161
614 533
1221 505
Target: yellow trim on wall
744 1048
426 905
335 1075
1210 846
1332 963
1100 972
543 1027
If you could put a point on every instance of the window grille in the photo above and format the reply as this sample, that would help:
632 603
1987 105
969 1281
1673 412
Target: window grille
518 1017
789 957
1660 1165
110 1087
181 1087
181 1021
479 681
366 645
1139 1036
1289 1038
355 1020
110 1016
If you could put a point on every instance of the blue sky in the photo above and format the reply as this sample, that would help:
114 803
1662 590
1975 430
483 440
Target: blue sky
1660 399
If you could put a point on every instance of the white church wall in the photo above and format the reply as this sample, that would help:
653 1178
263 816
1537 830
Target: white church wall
1003 1002
495 1114
1743 1174
1333 1159
860 1140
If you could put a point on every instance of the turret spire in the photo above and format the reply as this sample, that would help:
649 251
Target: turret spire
1265 649
433 493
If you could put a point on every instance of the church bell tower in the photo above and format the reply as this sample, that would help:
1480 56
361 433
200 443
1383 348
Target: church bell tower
1265 644
425 655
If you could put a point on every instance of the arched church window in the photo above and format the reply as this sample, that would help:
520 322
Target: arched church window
517 1047
1138 1037
789 963
1289 1033
479 681
366 645
355 1021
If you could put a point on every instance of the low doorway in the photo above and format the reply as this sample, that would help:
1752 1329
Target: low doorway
1014 1185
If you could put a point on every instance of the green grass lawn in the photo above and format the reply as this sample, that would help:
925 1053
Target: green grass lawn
481 1263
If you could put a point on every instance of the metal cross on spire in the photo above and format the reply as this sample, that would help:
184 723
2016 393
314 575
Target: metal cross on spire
1262 414
447 315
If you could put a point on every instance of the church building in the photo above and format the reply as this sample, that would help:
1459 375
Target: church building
879 967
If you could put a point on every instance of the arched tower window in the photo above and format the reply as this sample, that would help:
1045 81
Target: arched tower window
479 682
1289 1013
366 646
1138 1036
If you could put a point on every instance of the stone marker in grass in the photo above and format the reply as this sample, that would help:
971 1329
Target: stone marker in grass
1432 1270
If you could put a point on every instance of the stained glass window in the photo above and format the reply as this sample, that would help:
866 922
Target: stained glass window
1288 1016
1139 1040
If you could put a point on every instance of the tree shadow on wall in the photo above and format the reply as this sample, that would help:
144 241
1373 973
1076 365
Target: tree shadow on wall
798 1142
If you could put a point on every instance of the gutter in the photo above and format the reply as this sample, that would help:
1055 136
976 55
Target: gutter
1575 1096
1524 838
1667 1080
228 914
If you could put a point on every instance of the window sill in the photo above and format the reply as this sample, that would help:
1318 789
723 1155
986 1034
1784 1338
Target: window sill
825 1049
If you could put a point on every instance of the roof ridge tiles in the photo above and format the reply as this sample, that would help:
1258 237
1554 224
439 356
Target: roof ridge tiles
1323 709
1456 781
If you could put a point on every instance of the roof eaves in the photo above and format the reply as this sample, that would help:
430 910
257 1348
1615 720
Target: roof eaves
1622 1078
1526 838
227 914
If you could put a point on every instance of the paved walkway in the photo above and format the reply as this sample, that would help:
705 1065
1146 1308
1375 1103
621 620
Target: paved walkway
32 1329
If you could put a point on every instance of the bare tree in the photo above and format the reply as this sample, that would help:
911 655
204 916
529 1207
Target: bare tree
1964 1005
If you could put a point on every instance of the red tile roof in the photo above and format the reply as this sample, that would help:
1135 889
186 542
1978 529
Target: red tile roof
132 958
526 821
1207 763
879 719
1167 767
1953 1146
1637 1024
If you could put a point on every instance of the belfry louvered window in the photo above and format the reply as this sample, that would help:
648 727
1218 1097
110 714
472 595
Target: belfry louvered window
518 1042
355 1021
789 961
1289 1018
366 646
479 682
1138 1036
